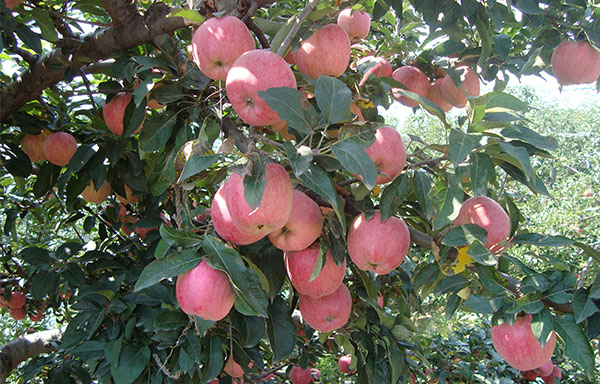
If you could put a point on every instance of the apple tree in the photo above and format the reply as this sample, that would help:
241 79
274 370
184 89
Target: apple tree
208 191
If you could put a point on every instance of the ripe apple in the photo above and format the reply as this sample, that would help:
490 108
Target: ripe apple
17 300
218 43
325 53
96 196
129 197
545 369
300 376
414 80
344 363
17 313
380 68
32 146
457 96
300 266
113 113
388 154
59 148
435 95
555 373
327 313
587 193
519 347
275 206
37 317
489 215
529 375
303 226
356 23
257 70
575 62
205 292
224 224
232 368
376 246
11 4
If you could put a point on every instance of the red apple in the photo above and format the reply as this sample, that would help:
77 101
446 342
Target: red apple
529 375
575 62
555 373
11 4
587 193
327 313
414 80
435 96
545 369
129 196
232 368
376 246
96 196
457 96
224 224
344 363
300 376
380 67
37 317
388 154
303 226
59 148
17 313
218 43
32 146
300 266
489 215
275 206
380 299
205 292
355 23
519 347
257 70
325 53
17 300
113 113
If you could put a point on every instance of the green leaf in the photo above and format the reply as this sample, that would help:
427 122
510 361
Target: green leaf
160 171
530 7
134 117
170 266
333 98
541 240
250 300
300 159
595 289
43 283
482 304
319 181
254 183
451 284
393 195
185 238
190 14
502 44
289 105
465 235
447 200
481 254
354 158
132 362
422 185
197 164
500 100
577 345
461 145
29 38
157 131
531 137
212 358
45 23
281 329
520 155
454 302
321 259
170 320
36 256
166 94
481 171
272 265
251 328
583 305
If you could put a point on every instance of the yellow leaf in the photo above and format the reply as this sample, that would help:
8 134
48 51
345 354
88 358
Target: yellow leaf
462 260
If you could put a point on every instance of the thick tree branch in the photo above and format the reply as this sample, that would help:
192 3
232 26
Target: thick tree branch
287 42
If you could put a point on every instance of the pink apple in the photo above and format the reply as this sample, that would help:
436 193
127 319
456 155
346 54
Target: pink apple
489 215
344 363
575 62
376 246
380 68
356 23
257 70
457 96
529 375
275 207
300 376
388 154
545 369
327 313
96 196
113 113
32 146
205 292
414 80
218 43
519 347
59 148
303 226
555 373
325 53
380 299
435 96
232 368
224 224
300 266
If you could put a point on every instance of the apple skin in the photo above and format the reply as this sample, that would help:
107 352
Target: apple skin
575 62
300 376
545 370
17 300
224 225
11 4
489 215
114 111
376 246
555 373
519 347
381 68
356 23
218 43
325 53
59 148
17 313
529 375
303 227
274 209
344 363
457 96
388 154
32 146
205 292
300 265
37 317
435 96
237 370
380 299
91 195
414 80
327 313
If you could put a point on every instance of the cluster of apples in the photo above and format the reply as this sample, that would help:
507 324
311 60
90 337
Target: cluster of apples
17 307
58 147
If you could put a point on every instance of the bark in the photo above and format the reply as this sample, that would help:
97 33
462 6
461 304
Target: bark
24 348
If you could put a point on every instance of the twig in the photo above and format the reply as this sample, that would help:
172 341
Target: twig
426 162
258 32
30 58
59 15
87 86
296 27
584 272
348 182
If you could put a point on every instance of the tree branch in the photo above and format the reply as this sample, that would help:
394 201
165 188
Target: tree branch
296 27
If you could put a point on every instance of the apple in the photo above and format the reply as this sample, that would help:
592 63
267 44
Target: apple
457 96
378 246
129 197
303 226
555 373
435 95
113 113
344 363
17 313
356 23
379 67
300 376
257 70
327 313
380 299
232 368
300 266
529 375
274 209
218 43
59 148
17 300
96 196
489 215
32 146
414 80
325 53
575 62
388 154
37 317
519 347
316 374
224 224
545 369
205 292
11 4
586 193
